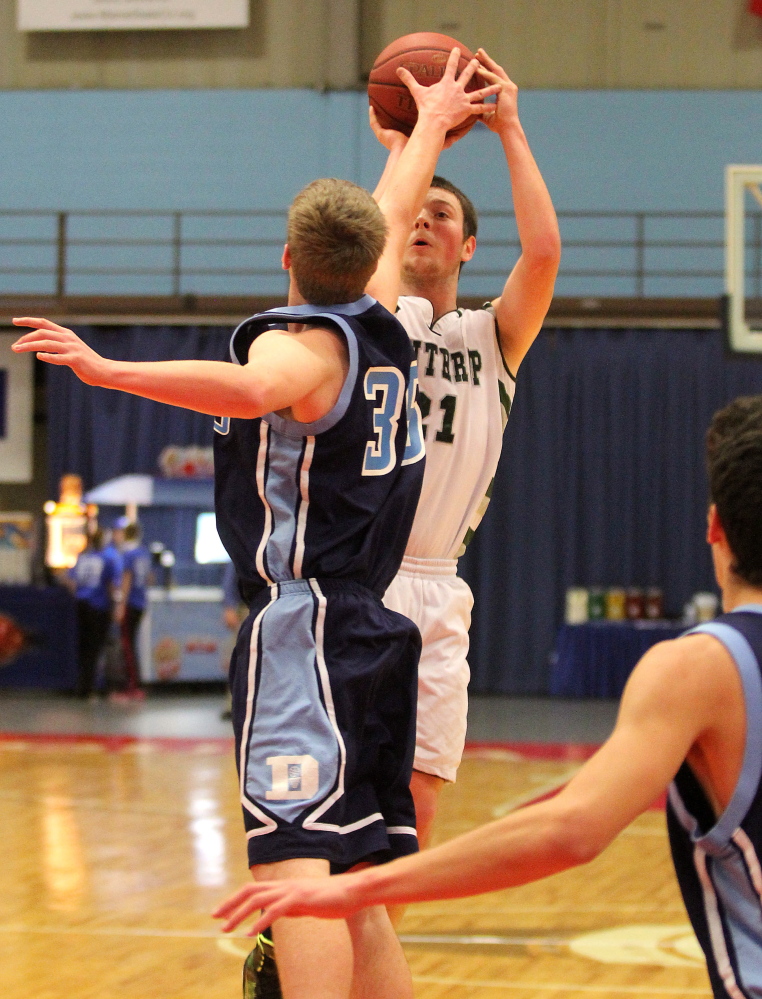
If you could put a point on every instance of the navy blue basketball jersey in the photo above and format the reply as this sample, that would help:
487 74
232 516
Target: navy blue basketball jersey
333 499
717 859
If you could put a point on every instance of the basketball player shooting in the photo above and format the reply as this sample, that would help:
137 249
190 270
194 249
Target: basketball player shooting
467 362
318 466
690 719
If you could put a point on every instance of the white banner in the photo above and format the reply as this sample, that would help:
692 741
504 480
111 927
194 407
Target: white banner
109 15
16 410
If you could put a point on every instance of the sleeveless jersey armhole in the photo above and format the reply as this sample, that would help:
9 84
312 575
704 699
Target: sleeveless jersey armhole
292 428
717 838
489 307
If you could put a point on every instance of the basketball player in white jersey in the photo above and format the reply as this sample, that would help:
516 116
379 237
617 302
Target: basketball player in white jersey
467 364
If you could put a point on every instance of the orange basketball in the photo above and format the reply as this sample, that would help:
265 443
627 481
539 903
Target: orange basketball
425 55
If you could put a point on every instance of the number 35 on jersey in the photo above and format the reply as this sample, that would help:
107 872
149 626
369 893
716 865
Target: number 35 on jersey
385 387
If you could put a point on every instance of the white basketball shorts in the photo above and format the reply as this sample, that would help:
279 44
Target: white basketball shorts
429 592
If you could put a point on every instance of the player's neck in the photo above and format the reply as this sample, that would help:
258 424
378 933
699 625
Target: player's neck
443 294
295 297
736 592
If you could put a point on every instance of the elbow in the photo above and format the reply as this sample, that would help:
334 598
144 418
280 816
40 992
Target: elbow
576 838
545 254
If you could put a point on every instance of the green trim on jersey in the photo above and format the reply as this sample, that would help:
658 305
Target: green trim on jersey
477 519
489 307
505 402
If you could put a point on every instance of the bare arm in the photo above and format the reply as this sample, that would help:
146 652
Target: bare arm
392 140
673 698
528 292
282 370
440 108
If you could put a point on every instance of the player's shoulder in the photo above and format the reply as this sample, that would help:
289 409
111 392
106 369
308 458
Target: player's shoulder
693 664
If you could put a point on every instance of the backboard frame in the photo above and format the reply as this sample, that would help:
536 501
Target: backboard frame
742 336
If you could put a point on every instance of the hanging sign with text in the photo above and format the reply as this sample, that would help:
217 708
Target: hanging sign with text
108 15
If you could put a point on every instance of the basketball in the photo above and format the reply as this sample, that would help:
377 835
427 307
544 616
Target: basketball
425 55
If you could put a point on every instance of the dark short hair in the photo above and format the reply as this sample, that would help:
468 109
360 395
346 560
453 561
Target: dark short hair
470 218
734 462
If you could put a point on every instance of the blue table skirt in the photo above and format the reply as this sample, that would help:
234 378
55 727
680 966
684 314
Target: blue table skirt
595 659
49 617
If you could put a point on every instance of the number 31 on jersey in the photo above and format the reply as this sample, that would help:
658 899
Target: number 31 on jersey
385 387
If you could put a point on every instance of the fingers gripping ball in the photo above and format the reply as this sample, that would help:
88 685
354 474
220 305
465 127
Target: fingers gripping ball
425 55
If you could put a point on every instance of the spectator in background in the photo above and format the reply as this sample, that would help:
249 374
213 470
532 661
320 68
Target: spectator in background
94 580
136 577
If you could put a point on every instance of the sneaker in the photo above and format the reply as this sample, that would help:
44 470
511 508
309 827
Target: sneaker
260 973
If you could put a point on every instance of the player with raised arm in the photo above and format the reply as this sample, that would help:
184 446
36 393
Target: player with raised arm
690 719
318 465
467 362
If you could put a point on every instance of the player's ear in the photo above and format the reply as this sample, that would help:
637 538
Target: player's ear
469 249
285 260
715 532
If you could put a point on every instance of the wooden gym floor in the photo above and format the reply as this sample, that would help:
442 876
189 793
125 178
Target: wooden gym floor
117 847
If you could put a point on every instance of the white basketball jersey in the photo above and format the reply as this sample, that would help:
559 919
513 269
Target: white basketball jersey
465 397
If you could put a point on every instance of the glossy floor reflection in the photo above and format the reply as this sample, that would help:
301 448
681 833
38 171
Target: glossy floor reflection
117 847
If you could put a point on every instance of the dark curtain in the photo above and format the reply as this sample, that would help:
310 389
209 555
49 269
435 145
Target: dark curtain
99 433
601 483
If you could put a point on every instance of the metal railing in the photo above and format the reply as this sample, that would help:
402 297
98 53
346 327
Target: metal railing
237 252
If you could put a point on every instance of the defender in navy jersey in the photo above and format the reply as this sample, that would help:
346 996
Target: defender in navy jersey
316 517
691 717
317 475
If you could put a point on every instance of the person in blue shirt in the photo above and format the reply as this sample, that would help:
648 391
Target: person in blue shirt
136 578
94 579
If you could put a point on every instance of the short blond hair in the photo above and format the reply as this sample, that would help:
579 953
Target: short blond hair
336 235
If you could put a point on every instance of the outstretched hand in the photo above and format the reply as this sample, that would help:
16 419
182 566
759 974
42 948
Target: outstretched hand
447 101
328 898
505 110
56 344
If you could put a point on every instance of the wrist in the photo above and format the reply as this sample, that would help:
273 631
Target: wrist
509 129
369 886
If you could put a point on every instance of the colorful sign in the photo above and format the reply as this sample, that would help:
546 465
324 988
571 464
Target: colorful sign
16 400
183 637
115 15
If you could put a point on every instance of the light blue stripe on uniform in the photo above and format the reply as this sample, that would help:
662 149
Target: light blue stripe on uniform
282 493
289 719
728 869
716 840
740 906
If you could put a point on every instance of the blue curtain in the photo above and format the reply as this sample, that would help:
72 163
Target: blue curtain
99 433
601 483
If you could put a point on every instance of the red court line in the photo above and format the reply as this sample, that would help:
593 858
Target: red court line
118 743
561 751
554 751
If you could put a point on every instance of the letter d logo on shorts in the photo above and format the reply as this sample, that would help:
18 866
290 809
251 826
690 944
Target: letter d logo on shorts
294 778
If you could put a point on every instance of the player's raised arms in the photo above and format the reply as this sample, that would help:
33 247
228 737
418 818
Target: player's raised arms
444 105
528 292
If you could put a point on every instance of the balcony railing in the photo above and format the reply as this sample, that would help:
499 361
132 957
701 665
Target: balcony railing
154 253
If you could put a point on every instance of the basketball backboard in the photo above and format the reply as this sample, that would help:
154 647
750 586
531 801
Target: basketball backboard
743 257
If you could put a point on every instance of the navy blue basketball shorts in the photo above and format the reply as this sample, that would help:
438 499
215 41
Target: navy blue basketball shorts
324 683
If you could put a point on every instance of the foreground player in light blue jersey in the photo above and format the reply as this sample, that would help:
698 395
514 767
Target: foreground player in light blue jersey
690 719
318 465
